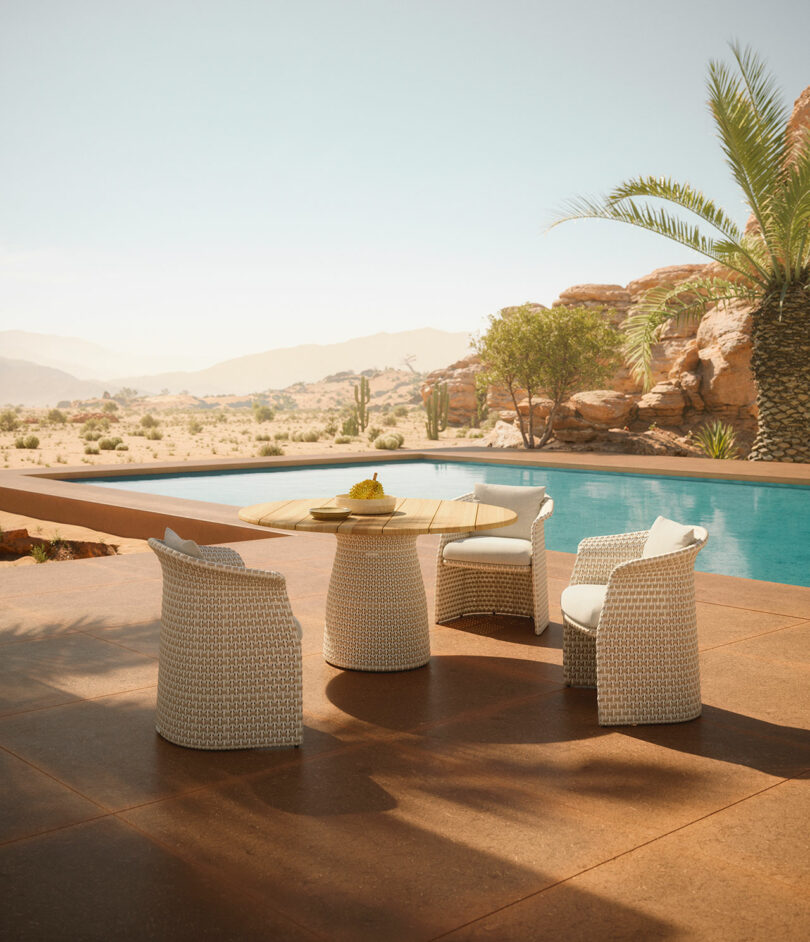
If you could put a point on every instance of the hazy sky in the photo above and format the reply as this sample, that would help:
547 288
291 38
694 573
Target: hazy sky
211 177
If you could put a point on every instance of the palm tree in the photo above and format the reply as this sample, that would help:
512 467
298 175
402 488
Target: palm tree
766 264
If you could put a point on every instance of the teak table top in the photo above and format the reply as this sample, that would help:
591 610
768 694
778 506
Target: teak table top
412 516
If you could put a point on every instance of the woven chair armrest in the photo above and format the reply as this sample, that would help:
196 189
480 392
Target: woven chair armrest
222 554
598 556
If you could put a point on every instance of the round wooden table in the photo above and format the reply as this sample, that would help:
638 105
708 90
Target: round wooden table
376 610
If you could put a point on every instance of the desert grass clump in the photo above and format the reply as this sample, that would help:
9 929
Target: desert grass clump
262 438
29 441
39 554
389 418
91 449
194 427
717 440
56 417
307 435
374 432
110 406
8 421
390 442
149 421
475 433
270 450
401 411
463 432
153 434
109 444
281 436
122 447
343 439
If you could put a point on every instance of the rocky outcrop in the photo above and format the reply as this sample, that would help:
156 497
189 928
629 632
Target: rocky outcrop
723 345
461 389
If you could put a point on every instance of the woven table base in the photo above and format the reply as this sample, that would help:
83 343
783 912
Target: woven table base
376 610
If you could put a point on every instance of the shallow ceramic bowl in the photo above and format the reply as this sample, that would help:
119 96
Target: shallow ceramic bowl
375 505
329 513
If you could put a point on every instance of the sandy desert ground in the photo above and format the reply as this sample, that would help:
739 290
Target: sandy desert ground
154 430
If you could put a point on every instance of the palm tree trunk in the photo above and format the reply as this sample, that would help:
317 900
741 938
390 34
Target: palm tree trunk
781 364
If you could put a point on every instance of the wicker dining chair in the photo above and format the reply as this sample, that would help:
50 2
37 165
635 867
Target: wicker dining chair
630 627
229 673
499 571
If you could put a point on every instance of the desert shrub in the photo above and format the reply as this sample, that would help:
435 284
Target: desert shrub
281 436
56 417
149 421
475 433
331 426
109 444
389 442
91 436
462 432
374 432
489 422
343 439
8 421
40 554
262 438
717 440
194 427
307 435
154 434
90 449
390 418
270 450
350 426
263 413
29 441
122 447
110 406
401 411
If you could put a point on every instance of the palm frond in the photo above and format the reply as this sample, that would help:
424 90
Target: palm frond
750 119
681 194
682 302
641 216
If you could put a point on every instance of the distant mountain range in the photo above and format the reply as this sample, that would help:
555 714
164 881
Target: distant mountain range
36 379
83 359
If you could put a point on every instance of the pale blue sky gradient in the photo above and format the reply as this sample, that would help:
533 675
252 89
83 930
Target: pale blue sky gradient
209 178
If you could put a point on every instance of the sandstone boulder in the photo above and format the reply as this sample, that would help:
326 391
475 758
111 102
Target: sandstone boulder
503 435
614 297
663 404
461 389
604 407
724 348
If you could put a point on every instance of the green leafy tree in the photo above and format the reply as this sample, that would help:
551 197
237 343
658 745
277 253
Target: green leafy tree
555 352
766 264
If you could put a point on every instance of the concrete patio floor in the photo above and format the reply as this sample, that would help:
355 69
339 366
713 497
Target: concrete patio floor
475 798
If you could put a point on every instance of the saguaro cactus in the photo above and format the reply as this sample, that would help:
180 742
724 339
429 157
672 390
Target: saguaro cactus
362 394
436 407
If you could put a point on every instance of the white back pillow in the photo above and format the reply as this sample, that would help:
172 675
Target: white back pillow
666 536
189 547
525 501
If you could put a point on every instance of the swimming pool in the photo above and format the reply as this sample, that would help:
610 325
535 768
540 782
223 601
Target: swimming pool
756 530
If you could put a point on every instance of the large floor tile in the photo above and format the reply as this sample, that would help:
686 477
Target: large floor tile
33 802
381 844
766 835
655 892
771 691
107 749
721 624
102 881
36 674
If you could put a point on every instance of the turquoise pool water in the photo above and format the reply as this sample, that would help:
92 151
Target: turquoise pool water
759 531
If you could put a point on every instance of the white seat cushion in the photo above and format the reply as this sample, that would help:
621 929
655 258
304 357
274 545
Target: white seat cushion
525 501
583 603
189 547
490 550
666 536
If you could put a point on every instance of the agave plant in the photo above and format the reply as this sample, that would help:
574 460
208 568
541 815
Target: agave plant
766 264
717 440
